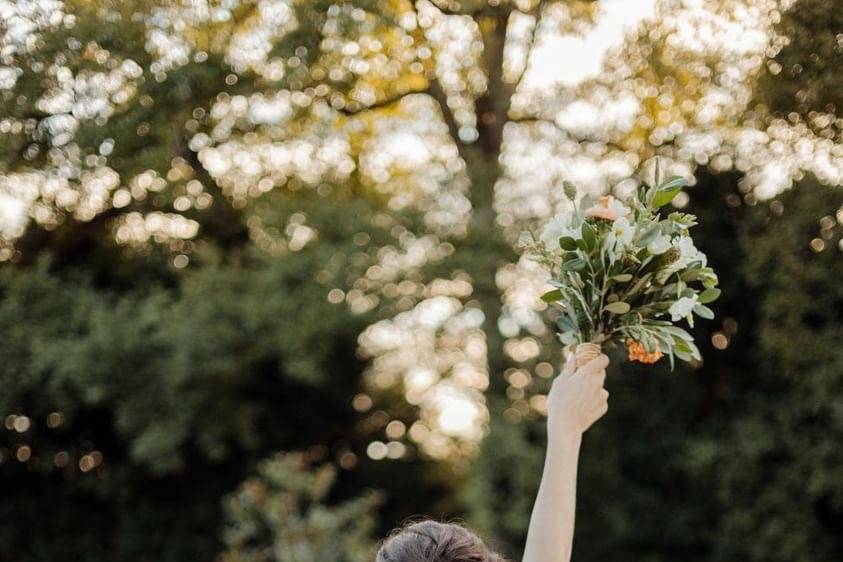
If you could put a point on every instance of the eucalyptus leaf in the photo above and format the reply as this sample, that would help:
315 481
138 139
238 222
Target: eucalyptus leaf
567 243
704 312
642 281
678 332
565 324
616 268
617 307
709 295
570 190
681 345
552 296
694 350
690 275
568 338
682 354
649 235
665 196
673 182
576 264
589 236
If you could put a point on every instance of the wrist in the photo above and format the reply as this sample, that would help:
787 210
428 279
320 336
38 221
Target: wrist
566 441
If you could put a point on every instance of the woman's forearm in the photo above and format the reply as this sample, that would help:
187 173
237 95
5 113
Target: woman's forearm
576 400
551 534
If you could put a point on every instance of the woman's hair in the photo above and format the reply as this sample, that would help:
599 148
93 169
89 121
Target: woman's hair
433 541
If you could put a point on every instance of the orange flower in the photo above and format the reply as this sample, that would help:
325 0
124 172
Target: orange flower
638 353
608 208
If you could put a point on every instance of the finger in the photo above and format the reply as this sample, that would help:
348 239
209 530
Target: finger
569 367
599 363
598 378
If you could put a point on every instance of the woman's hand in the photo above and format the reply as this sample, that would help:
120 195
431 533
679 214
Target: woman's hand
577 398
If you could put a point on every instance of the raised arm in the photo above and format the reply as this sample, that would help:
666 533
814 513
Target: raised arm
576 400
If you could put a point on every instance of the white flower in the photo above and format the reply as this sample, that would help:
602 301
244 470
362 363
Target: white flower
659 245
563 224
682 308
620 235
688 253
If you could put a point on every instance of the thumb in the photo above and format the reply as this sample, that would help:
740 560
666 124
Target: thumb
570 365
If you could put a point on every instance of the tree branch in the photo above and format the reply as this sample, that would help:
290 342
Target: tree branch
537 14
435 90
437 93
448 10
537 120
380 104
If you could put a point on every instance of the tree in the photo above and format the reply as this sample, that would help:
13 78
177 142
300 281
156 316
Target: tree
166 153
279 516
155 309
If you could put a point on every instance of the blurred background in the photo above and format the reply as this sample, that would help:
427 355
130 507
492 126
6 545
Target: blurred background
260 298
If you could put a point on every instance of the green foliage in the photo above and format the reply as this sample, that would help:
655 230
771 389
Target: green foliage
279 516
161 359
804 77
181 384
781 456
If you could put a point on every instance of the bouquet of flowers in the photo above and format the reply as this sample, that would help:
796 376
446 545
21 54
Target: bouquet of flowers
624 274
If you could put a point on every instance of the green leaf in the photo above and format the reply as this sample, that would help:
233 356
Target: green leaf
686 350
649 235
639 284
589 236
704 312
623 277
682 220
617 307
570 190
665 196
566 324
552 296
695 351
678 332
682 354
572 316
616 268
576 264
709 295
567 243
674 182
690 274
568 337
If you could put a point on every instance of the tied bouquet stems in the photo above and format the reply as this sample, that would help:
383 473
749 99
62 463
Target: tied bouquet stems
624 274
